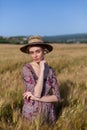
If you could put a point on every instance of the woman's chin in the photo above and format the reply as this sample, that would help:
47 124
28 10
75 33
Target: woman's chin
37 61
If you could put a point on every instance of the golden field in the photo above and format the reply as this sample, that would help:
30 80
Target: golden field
70 64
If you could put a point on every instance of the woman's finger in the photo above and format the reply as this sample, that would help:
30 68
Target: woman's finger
27 95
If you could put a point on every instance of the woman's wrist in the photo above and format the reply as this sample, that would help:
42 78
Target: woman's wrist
37 98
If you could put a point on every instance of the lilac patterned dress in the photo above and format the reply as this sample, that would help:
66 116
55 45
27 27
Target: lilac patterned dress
31 109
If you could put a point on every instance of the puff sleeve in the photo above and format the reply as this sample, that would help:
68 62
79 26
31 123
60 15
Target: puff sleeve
54 84
28 78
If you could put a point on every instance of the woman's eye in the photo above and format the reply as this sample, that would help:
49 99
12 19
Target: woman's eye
38 51
31 52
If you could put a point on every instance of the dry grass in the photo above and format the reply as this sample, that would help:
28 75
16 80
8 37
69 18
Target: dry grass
70 64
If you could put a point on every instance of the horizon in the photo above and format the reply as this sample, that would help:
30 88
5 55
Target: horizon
46 35
45 18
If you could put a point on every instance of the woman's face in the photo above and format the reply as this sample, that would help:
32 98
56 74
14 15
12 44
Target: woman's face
37 53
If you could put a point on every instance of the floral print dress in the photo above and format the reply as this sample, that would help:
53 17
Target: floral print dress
31 109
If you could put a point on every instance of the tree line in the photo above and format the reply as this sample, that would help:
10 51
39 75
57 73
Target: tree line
71 38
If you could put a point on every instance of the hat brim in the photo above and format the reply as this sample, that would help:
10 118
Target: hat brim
25 49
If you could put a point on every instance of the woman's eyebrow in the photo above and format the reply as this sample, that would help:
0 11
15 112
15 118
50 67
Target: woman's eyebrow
35 50
31 51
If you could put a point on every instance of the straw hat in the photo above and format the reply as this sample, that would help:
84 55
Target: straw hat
36 41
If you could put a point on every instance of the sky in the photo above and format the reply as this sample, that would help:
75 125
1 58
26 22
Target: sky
42 17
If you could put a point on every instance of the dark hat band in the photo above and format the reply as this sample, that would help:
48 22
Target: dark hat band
43 45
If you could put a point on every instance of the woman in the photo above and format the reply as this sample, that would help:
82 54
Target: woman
41 87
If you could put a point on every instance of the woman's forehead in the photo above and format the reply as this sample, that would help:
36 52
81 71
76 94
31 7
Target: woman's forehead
34 48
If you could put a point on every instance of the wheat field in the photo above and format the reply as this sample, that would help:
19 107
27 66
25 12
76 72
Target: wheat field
70 64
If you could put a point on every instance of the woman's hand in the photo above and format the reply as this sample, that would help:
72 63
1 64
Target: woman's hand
28 96
42 64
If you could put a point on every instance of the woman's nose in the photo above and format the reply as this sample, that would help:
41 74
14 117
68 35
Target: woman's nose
35 54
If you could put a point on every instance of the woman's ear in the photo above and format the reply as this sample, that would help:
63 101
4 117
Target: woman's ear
45 51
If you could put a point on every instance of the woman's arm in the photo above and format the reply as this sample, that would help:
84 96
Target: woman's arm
39 86
51 98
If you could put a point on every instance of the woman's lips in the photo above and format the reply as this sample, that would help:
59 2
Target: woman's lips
36 59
